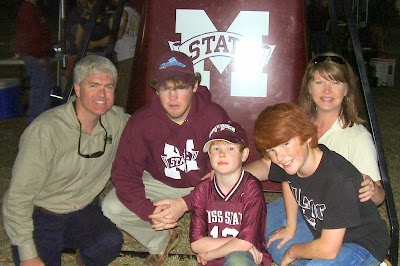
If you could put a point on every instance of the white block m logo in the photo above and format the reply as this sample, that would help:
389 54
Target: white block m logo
242 42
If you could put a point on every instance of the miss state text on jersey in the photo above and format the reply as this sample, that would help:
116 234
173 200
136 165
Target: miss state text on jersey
224 217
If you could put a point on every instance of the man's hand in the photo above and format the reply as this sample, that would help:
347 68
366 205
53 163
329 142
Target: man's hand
162 223
167 213
367 188
32 262
283 233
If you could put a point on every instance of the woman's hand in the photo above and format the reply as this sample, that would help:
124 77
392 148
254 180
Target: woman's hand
210 176
367 188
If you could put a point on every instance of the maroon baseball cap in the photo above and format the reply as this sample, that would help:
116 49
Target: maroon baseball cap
173 64
230 131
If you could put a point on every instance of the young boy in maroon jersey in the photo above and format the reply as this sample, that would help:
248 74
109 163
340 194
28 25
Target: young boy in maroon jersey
228 211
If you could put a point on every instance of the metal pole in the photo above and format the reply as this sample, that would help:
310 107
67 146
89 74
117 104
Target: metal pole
334 24
390 204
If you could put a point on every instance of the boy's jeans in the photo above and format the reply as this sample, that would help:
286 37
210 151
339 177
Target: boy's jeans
350 254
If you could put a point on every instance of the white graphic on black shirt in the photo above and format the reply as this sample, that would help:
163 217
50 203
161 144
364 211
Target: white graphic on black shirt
312 212
175 162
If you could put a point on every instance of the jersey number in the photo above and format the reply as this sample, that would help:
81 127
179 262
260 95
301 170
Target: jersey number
226 232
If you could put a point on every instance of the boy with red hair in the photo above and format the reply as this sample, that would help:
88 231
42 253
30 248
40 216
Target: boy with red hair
324 187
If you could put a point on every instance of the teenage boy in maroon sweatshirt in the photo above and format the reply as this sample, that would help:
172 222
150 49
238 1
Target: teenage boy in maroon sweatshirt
159 159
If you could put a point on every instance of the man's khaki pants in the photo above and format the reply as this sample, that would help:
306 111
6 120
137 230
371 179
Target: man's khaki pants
154 241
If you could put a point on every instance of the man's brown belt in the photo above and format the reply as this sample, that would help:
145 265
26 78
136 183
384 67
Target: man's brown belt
43 210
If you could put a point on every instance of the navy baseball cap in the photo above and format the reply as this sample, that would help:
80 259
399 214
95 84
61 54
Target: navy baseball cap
231 131
173 64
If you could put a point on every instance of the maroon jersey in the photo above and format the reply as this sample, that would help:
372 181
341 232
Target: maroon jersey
241 213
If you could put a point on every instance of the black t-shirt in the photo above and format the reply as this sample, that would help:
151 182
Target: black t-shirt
328 199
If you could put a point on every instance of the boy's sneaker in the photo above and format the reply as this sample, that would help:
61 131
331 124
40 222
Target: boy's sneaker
159 259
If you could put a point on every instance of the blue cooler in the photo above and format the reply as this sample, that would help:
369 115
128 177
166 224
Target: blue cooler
10 98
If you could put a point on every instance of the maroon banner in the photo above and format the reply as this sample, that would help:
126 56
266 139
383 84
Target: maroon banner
250 53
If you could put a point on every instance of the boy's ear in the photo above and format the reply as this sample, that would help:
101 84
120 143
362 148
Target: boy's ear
245 154
195 86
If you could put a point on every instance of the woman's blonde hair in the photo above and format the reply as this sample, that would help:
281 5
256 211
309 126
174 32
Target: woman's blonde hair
332 66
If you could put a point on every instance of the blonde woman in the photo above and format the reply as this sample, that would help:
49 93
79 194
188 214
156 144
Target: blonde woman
330 96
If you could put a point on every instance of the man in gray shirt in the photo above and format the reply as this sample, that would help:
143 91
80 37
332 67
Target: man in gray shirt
63 163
